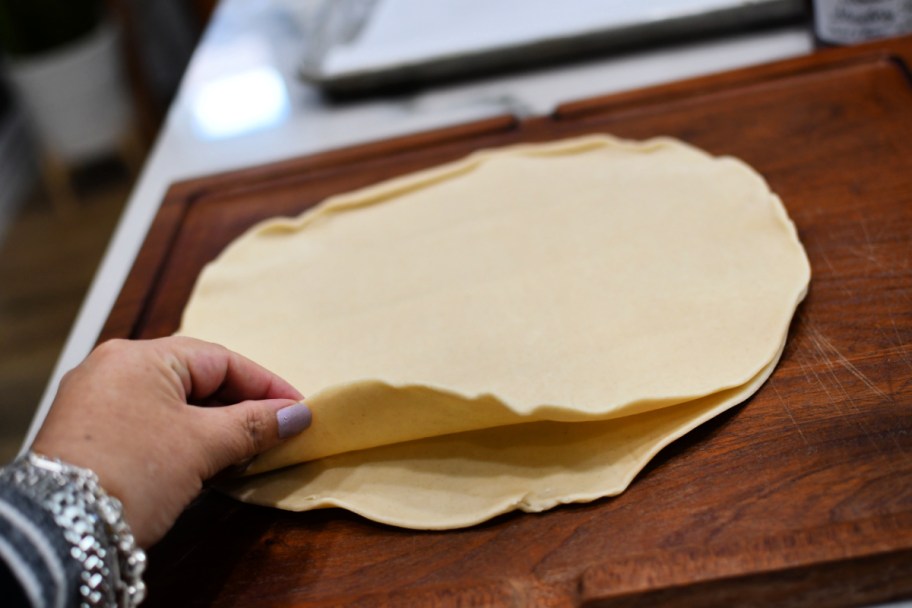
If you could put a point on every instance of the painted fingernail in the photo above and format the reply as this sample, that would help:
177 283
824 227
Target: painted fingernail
293 419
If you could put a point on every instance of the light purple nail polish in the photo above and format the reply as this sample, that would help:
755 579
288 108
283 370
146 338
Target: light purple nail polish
293 419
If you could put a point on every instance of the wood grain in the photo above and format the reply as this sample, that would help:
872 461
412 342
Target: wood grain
800 496
47 262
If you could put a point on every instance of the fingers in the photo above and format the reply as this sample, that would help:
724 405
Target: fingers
260 408
213 371
251 427
244 379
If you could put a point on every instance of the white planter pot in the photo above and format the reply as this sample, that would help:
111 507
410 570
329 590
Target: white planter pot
76 96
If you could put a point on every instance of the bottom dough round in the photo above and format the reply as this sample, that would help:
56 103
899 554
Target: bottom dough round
464 479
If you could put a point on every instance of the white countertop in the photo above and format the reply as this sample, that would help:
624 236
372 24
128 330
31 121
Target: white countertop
241 103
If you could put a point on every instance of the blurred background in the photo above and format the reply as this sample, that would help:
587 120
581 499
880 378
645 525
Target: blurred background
85 86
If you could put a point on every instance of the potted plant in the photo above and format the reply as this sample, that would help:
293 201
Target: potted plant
62 59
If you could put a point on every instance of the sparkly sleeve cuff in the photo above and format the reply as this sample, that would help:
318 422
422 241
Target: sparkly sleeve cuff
35 551
83 529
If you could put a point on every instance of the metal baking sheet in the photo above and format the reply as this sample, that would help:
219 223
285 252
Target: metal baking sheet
359 46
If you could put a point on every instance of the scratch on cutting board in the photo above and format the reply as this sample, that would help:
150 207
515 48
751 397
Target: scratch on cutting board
867 251
849 400
808 371
826 260
785 406
841 284
902 346
821 341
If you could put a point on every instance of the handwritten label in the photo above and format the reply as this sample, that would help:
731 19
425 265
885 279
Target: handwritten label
852 21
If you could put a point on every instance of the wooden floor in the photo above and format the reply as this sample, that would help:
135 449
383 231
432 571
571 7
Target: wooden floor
47 261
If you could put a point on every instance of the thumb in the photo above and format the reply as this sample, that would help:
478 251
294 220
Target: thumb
251 427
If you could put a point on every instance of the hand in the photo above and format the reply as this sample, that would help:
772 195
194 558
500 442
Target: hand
127 413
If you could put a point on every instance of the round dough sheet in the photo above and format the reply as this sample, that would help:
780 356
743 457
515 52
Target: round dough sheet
459 480
587 279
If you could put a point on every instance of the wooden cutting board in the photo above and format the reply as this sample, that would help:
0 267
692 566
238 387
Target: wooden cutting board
800 496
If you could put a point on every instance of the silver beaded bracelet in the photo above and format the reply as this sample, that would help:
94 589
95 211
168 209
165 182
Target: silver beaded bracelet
92 523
